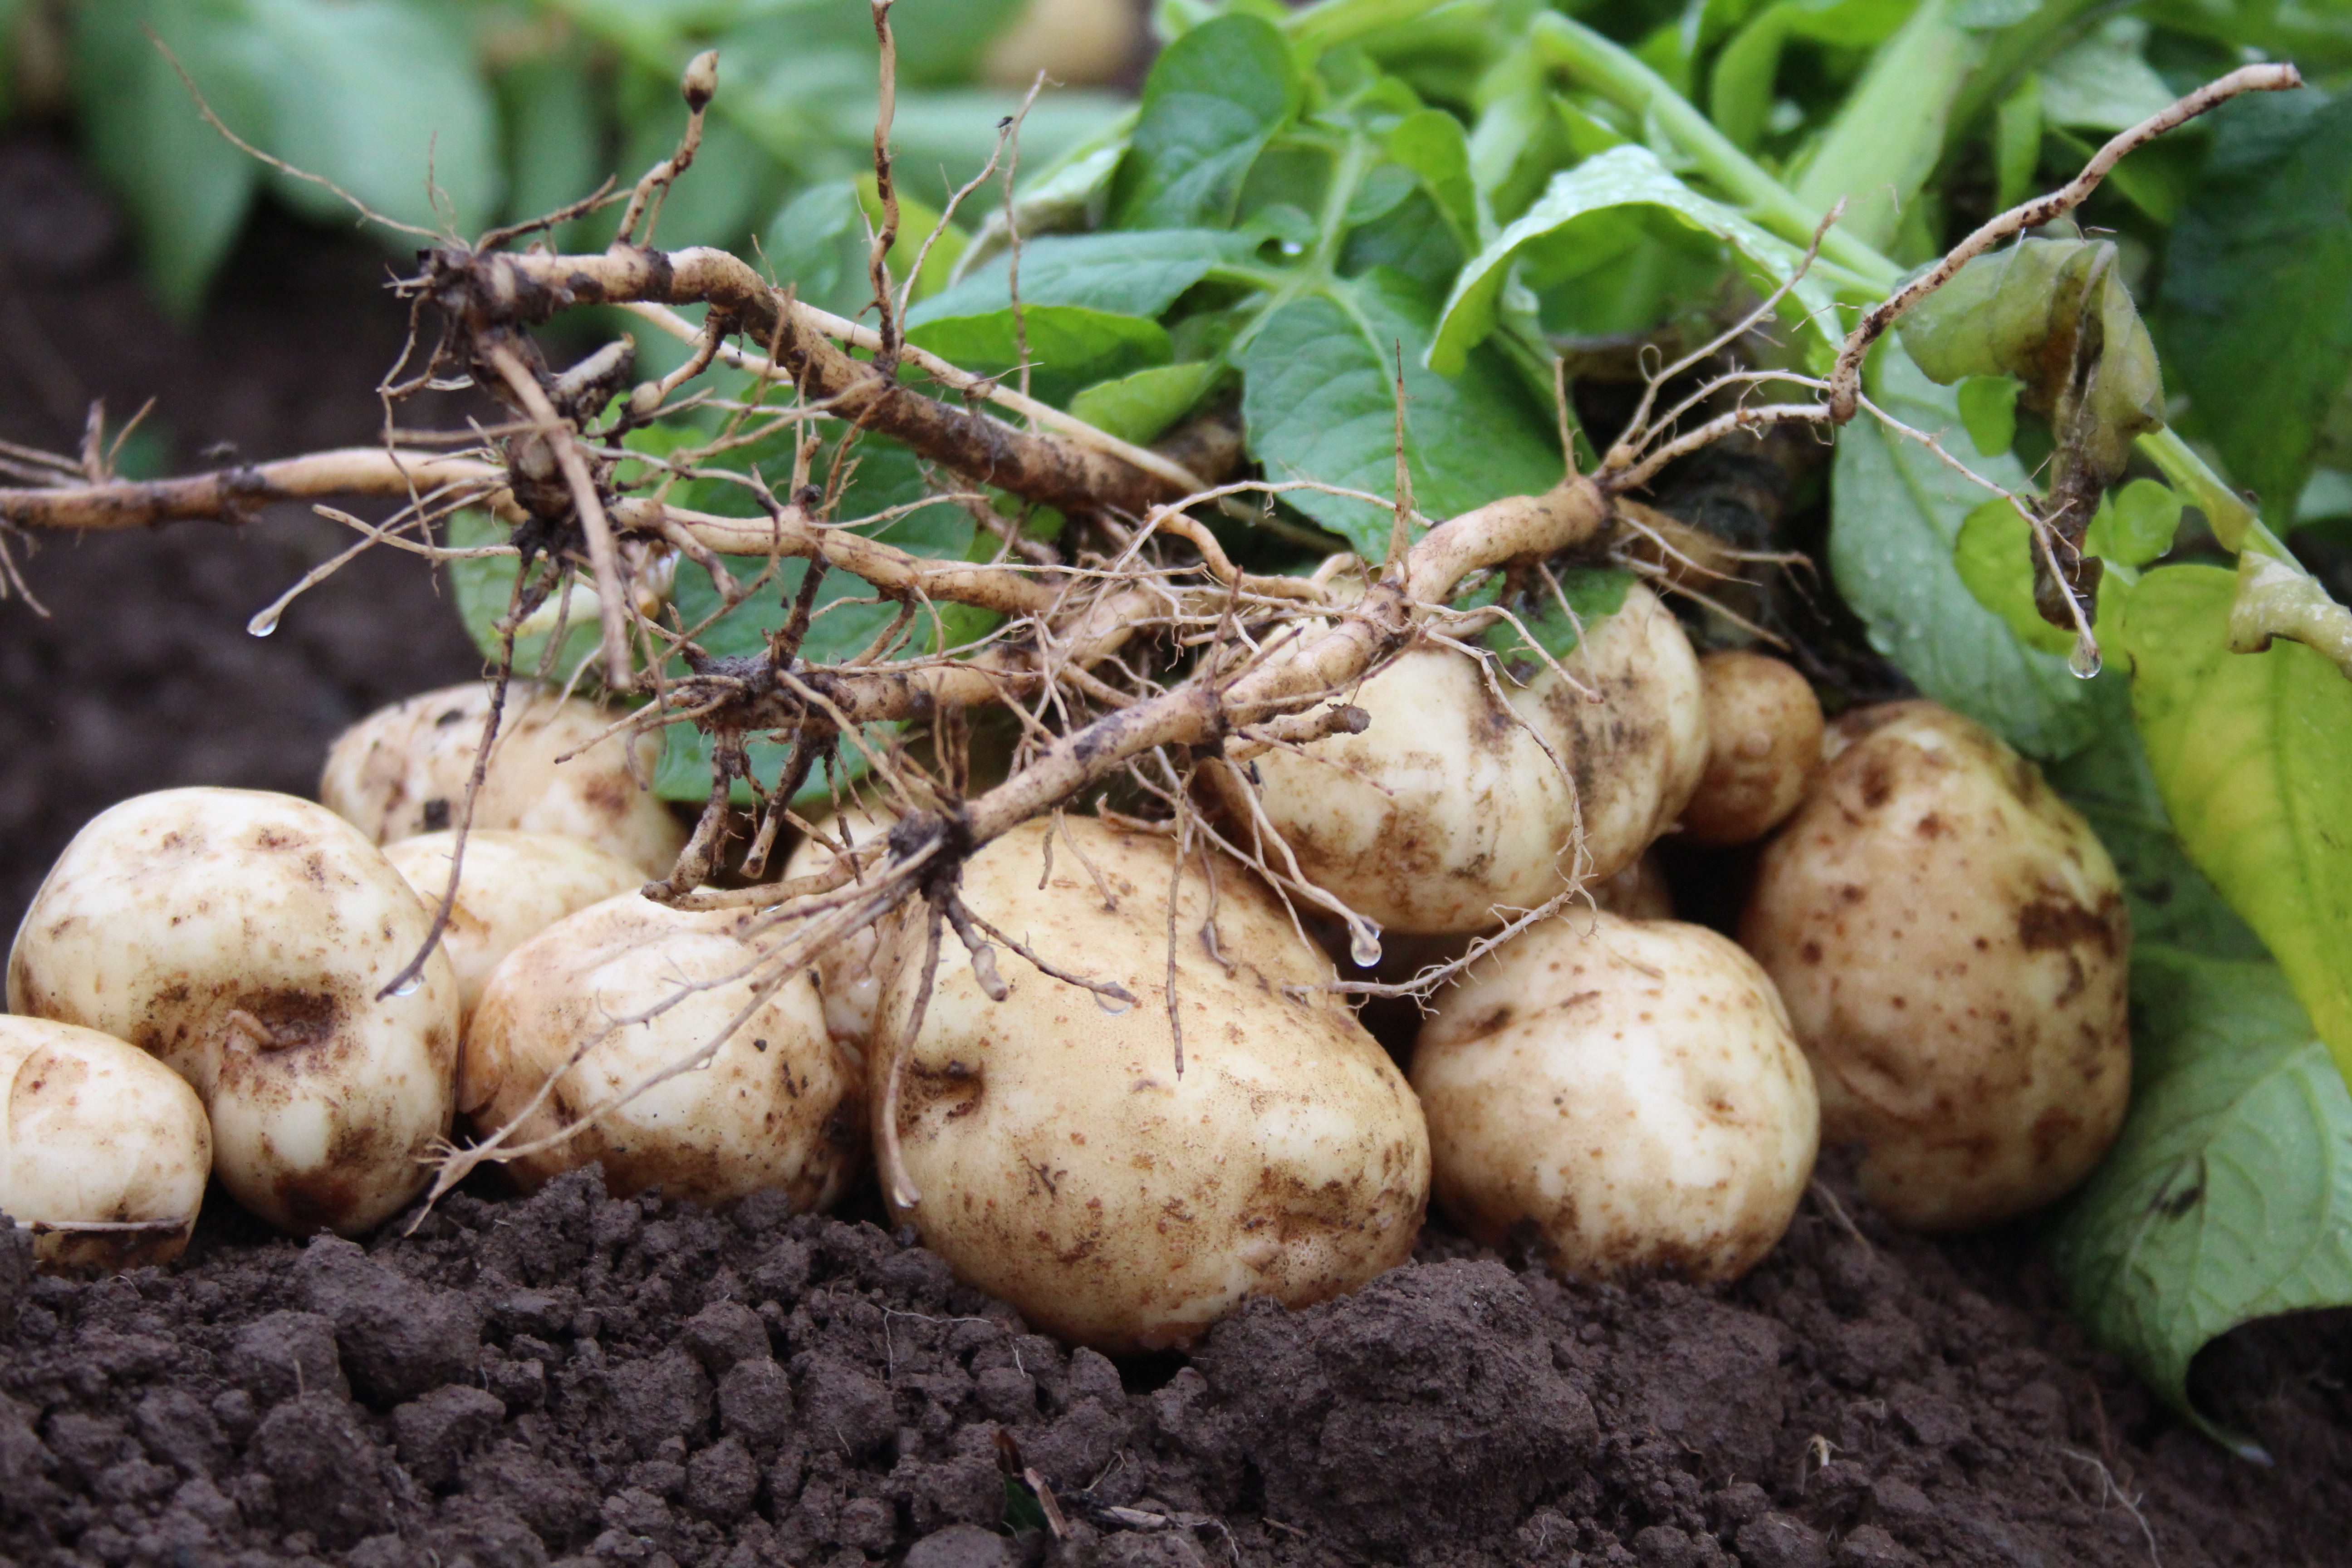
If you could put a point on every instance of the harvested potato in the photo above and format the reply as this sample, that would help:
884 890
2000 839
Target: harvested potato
97 1131
1063 1163
243 939
403 771
512 886
1952 943
846 972
1764 746
1631 1088
1447 813
776 1106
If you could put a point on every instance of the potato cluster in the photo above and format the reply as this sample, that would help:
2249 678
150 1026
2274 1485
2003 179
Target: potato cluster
1126 1091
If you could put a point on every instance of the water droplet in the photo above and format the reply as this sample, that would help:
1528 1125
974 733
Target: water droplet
1293 248
2085 660
408 986
262 624
1364 943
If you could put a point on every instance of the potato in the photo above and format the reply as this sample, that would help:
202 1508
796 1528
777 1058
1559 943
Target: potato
1446 815
1764 746
512 887
1630 1089
1078 43
403 771
243 938
1952 943
1638 892
847 973
1062 1161
96 1129
777 1106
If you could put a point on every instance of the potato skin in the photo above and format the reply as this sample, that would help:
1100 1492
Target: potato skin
848 975
1448 806
777 1106
512 886
403 771
1953 946
1764 746
1064 1165
92 1128
180 921
1631 1088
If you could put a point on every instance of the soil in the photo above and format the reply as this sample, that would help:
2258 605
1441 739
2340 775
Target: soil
572 1378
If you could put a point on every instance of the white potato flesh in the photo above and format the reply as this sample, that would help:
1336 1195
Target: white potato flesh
1629 1089
243 938
776 1105
95 1131
1953 946
1764 746
403 771
1448 813
511 887
846 972
1062 1161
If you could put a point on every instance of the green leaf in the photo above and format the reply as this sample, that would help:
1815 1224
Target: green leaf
1889 133
482 588
2229 1195
1896 511
2256 304
732 181
917 221
1994 556
2135 524
1213 99
380 97
1318 402
2017 143
2250 751
1433 144
1989 408
1068 346
1591 592
555 131
817 245
1138 407
1739 94
2109 781
2103 82
1128 274
187 188
1586 207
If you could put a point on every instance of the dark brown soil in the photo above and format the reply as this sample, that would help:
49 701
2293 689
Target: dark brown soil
523 1382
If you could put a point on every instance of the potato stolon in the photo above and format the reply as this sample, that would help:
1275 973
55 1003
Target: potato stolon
243 938
1446 813
777 1106
403 771
94 1129
511 886
1952 943
1631 1088
1063 1165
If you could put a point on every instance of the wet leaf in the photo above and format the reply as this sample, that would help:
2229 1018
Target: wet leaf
2250 751
1897 511
1994 555
2229 1195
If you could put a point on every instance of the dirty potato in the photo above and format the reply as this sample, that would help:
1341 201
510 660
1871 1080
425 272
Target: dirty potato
96 1131
1764 746
776 1106
1952 943
511 886
1065 1164
1630 1089
243 939
1453 809
403 771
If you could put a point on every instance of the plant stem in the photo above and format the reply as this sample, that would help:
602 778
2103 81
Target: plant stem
1336 22
1616 73
2234 523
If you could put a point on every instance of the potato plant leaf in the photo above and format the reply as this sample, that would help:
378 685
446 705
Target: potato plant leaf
2250 751
2229 1195
1579 205
1067 346
1896 512
1319 401
2256 305
1214 97
1134 273
1138 407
